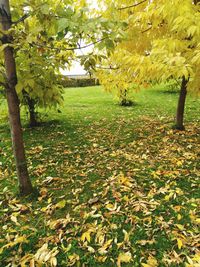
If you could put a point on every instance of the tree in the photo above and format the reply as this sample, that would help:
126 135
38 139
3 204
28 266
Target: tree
162 43
46 36
41 38
38 84
13 101
120 86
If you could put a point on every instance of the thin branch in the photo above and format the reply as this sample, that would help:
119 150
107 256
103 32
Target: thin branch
107 68
22 19
134 5
147 29
25 16
72 48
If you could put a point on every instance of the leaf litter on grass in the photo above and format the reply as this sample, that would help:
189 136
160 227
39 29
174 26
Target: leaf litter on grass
120 198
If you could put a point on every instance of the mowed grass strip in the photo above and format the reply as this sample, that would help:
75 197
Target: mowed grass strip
117 186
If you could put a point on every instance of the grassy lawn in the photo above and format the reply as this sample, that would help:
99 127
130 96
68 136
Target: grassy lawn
118 186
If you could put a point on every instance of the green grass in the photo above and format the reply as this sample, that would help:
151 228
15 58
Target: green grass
143 174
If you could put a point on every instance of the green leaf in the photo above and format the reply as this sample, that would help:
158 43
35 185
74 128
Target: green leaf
45 9
19 87
62 24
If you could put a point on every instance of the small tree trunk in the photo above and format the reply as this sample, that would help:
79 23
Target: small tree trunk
25 185
32 114
181 105
31 108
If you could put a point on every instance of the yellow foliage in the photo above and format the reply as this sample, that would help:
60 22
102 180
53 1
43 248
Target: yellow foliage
162 42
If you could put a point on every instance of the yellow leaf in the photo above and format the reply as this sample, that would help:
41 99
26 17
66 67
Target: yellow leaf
73 259
126 198
103 249
111 207
179 217
53 262
197 221
61 204
32 263
179 243
151 262
14 219
21 239
180 227
126 235
107 244
27 258
179 163
42 252
168 197
101 258
90 249
197 257
124 257
86 236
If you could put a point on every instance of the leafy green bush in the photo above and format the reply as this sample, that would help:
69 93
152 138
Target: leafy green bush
78 82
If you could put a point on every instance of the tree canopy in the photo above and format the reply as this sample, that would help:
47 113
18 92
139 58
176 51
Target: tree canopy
162 42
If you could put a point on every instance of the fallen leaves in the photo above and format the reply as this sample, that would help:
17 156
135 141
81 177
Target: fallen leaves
125 257
151 262
104 249
43 256
17 240
194 261
122 204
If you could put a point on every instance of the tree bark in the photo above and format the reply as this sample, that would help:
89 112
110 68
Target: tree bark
181 105
25 185
31 108
32 114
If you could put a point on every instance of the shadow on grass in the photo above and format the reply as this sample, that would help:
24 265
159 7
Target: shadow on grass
168 92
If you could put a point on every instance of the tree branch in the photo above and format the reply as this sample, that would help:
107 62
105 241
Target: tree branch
107 68
147 30
72 48
134 5
22 19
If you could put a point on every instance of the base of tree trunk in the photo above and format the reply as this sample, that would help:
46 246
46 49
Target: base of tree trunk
34 124
33 194
179 128
179 123
25 191
126 103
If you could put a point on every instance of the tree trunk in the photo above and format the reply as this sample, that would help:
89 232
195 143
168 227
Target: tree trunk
31 108
25 185
181 105
32 114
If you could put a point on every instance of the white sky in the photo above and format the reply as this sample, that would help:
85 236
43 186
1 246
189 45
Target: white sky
76 67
